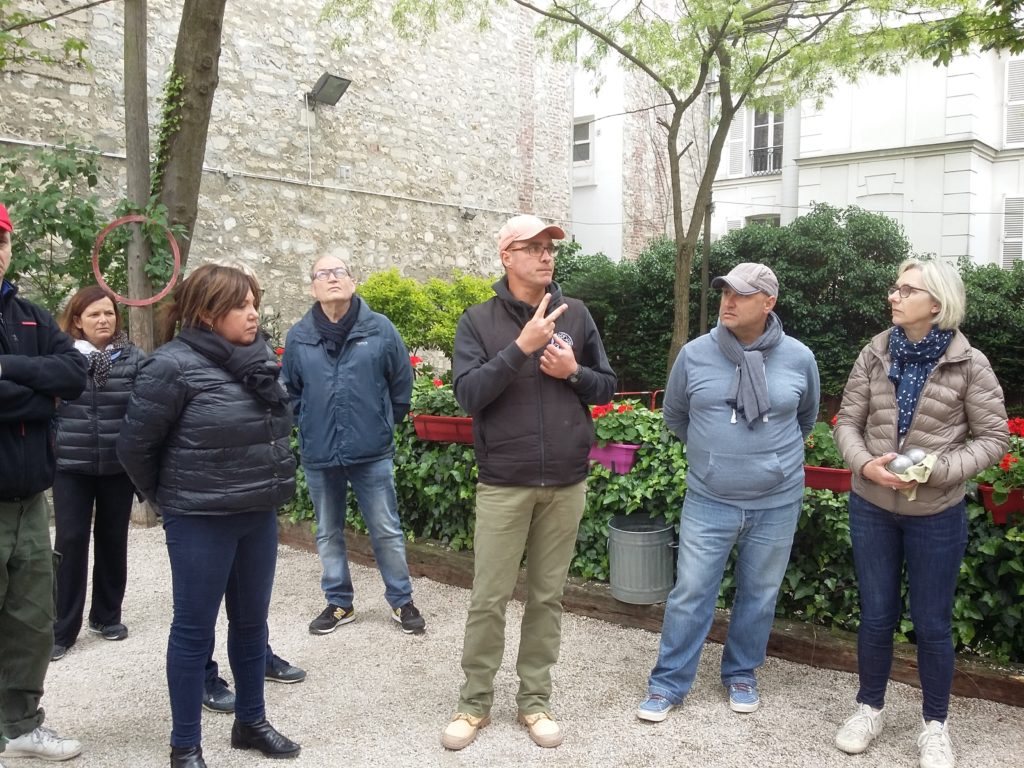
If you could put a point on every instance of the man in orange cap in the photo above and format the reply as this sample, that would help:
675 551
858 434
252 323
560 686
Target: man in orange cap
527 363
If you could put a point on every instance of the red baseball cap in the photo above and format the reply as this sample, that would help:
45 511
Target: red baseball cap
5 220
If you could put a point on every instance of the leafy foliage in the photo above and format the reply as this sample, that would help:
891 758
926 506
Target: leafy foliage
436 486
57 217
820 448
17 47
995 315
1008 474
995 26
424 314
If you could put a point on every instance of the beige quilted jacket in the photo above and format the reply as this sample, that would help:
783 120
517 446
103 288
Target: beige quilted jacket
960 417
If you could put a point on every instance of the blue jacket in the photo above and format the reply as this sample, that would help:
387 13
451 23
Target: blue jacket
346 407
758 468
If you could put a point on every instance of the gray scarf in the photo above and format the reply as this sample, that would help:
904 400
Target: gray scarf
748 391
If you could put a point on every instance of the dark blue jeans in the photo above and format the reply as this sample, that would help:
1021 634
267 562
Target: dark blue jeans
215 556
931 548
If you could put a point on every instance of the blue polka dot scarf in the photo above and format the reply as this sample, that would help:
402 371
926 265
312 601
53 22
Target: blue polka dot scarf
911 364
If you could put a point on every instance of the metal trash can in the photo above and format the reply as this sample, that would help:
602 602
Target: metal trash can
641 558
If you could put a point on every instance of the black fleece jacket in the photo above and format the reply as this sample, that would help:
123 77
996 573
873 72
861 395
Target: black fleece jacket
38 366
528 428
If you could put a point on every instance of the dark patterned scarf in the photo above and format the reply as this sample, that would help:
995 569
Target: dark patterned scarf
253 364
335 334
100 360
912 362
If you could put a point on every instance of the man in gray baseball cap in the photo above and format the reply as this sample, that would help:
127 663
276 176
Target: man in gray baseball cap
748 278
743 398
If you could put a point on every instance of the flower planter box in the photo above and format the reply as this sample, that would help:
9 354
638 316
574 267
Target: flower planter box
1001 512
618 457
828 479
443 429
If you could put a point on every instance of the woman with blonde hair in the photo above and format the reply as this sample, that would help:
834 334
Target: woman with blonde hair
89 475
206 438
918 384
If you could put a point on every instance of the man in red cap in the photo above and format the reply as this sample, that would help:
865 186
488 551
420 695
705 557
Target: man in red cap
38 366
527 363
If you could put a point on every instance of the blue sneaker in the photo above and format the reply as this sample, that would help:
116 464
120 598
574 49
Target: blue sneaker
743 697
654 708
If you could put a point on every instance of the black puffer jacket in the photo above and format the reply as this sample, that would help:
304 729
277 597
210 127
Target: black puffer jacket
87 428
38 364
196 442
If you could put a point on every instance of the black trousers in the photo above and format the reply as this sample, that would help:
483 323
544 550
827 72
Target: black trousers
74 497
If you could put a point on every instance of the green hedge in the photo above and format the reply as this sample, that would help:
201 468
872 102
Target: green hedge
436 484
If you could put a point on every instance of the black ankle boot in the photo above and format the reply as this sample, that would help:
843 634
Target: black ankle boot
263 737
187 757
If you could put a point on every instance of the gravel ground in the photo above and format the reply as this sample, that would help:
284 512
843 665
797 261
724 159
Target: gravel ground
377 697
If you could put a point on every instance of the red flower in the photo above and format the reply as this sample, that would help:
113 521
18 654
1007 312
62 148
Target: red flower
834 419
415 360
438 383
624 408
1016 426
1008 461
278 351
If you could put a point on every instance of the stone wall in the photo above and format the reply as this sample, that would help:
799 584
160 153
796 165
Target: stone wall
467 119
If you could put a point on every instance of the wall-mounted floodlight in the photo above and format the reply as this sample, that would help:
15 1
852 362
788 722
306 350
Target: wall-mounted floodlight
467 213
328 89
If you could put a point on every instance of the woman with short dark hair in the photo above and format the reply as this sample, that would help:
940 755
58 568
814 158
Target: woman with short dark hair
206 438
89 474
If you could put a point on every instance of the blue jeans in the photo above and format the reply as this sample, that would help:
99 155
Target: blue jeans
932 548
374 486
215 556
708 530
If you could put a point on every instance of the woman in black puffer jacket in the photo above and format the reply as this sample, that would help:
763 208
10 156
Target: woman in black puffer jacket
206 438
89 474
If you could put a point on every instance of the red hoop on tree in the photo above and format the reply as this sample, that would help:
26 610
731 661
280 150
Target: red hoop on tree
133 218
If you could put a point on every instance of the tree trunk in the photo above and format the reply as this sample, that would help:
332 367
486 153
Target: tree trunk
180 164
137 150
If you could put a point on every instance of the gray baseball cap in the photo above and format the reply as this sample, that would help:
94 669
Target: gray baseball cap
748 278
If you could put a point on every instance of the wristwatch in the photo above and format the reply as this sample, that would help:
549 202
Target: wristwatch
574 377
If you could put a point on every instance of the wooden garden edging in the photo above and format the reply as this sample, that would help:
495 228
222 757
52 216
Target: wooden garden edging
794 641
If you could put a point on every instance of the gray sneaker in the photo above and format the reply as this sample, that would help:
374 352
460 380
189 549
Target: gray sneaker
860 729
43 743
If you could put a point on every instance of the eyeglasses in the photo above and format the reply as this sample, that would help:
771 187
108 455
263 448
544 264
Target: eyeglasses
536 249
905 291
325 274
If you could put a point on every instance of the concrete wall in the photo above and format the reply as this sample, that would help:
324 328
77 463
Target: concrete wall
466 119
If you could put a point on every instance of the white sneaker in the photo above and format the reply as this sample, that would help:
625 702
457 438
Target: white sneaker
933 745
860 729
44 744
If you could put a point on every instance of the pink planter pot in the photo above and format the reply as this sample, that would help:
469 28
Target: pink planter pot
443 429
618 457
828 479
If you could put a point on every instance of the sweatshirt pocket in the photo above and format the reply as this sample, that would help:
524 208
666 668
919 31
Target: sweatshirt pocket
735 475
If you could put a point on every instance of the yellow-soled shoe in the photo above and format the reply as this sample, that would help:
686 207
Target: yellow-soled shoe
461 731
543 729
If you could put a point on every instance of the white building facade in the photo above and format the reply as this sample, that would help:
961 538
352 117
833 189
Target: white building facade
939 149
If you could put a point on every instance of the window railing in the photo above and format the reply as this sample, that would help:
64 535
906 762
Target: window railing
765 160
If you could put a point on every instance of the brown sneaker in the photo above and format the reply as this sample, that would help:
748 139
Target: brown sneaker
543 729
461 731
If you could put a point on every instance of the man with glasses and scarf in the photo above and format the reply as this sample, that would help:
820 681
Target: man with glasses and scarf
348 373
742 398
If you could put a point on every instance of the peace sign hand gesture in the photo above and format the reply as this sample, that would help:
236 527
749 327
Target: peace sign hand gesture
538 332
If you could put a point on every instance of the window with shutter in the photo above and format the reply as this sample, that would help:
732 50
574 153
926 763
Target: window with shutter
1013 231
1013 130
737 145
